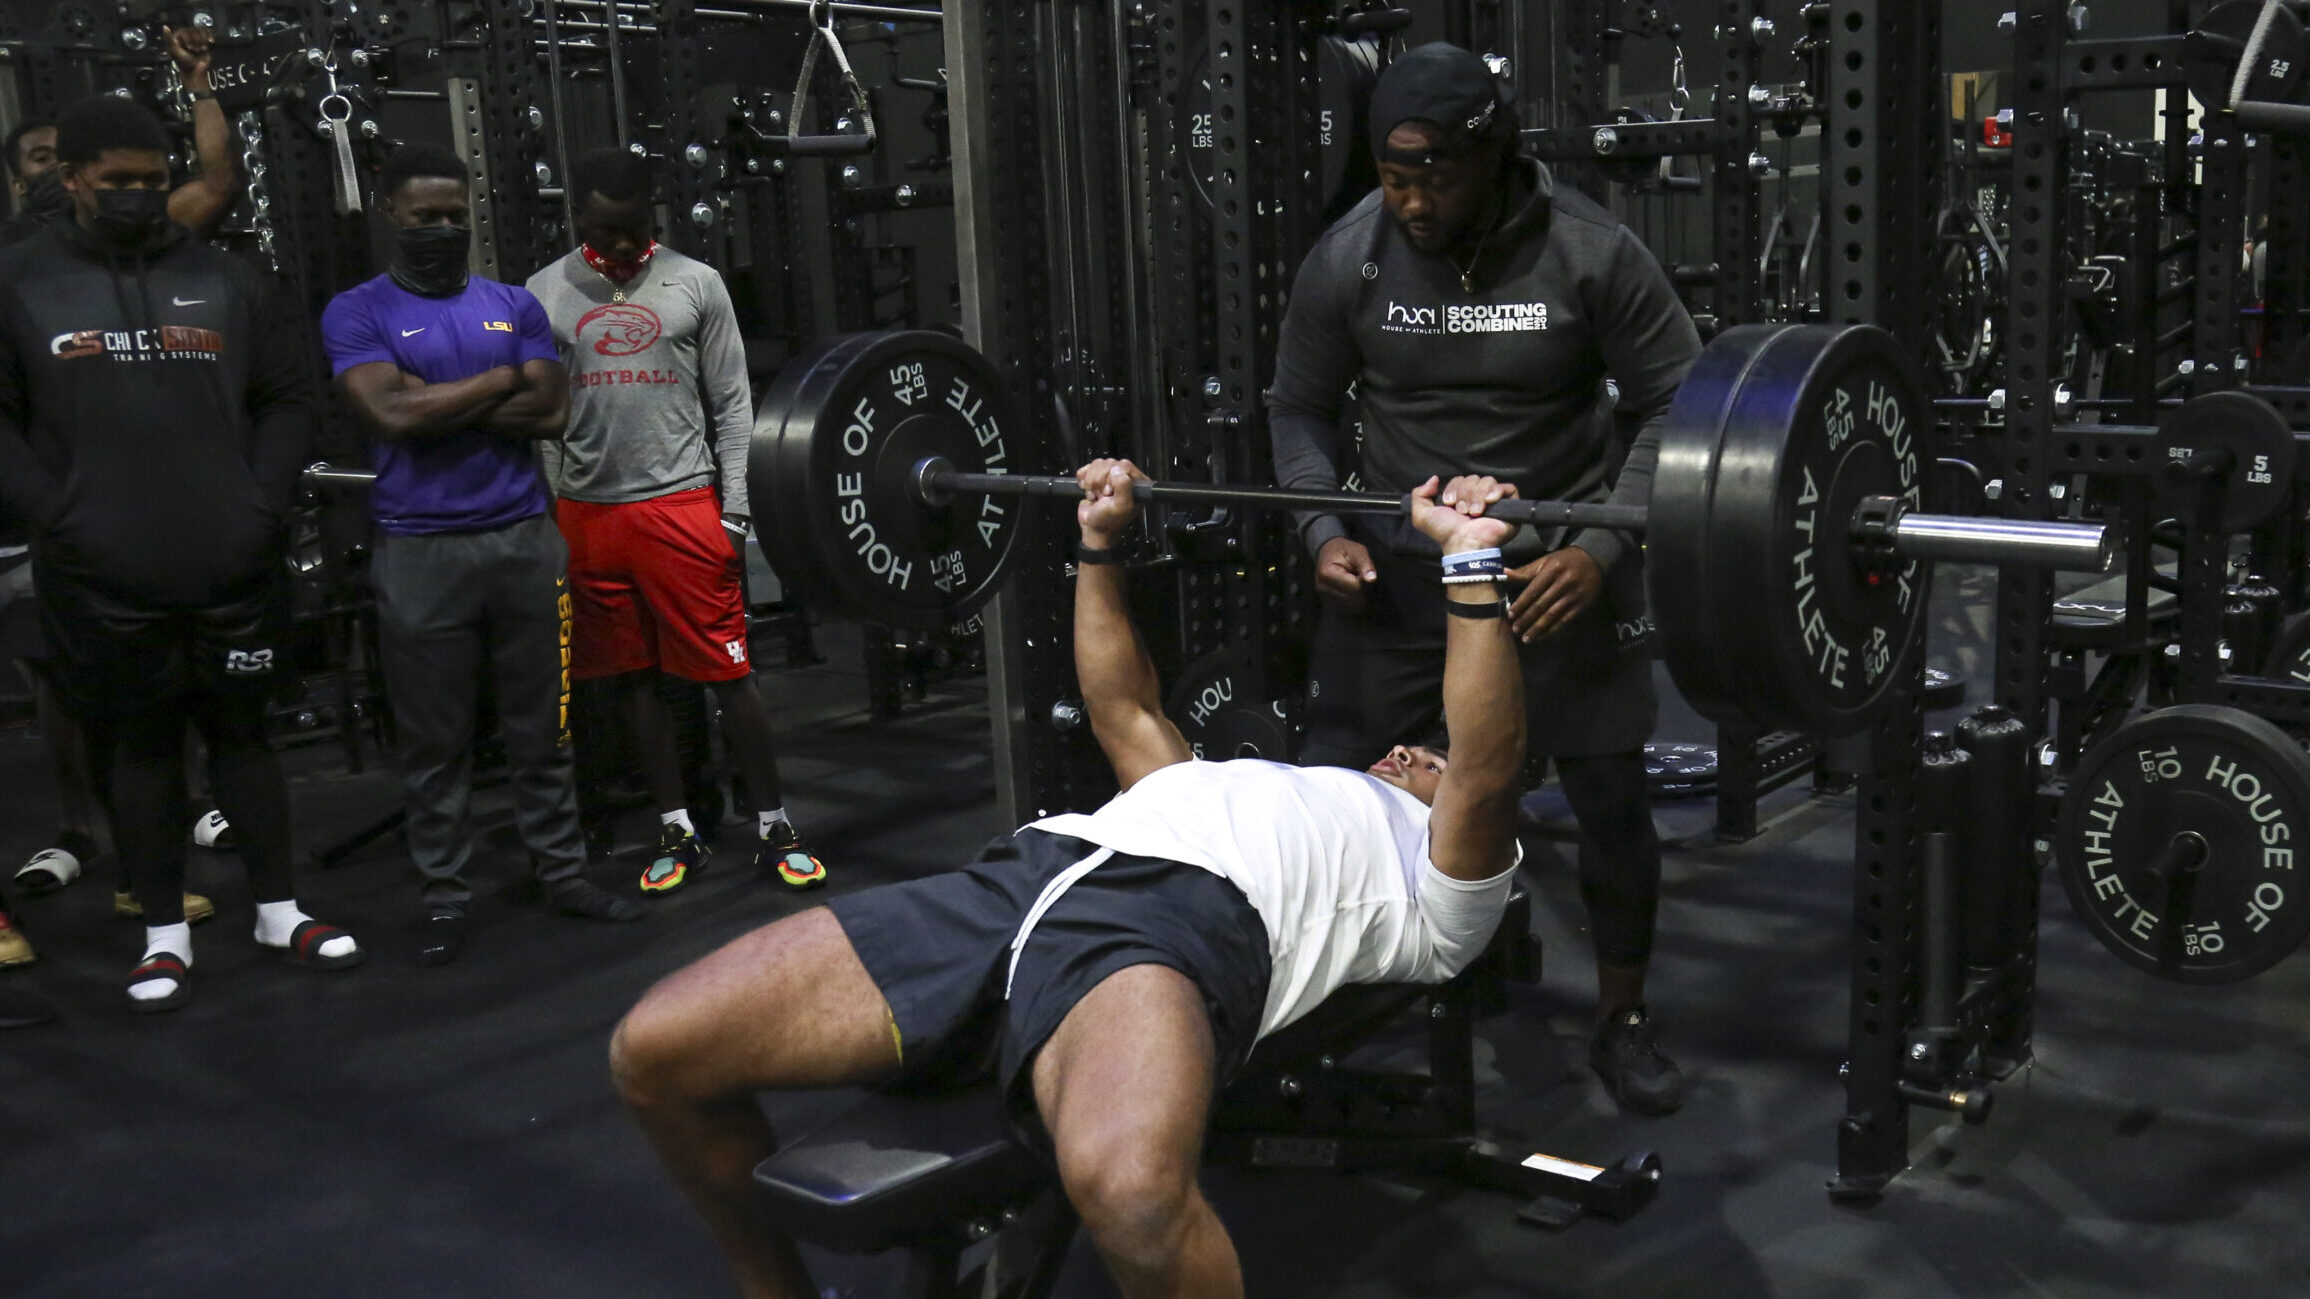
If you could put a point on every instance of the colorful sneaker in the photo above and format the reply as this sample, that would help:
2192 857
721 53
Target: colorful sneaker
783 856
15 948
681 854
197 907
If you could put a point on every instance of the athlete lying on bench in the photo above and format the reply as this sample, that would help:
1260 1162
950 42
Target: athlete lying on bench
1113 969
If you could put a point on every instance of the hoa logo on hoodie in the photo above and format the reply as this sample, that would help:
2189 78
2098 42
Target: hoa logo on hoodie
1466 318
171 342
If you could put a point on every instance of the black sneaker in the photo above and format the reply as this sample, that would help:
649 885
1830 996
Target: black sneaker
783 857
589 901
1626 1055
681 854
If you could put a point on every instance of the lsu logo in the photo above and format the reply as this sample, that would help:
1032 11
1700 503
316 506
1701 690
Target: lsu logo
619 329
498 326
248 663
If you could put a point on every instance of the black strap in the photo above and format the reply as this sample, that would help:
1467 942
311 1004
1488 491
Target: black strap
1469 609
1085 555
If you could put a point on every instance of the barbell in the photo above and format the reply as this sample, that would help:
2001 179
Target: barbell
1783 546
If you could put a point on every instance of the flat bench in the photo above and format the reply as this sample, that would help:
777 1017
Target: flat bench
2093 617
934 1175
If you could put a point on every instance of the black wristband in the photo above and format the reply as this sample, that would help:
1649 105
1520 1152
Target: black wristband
1469 609
1085 555
200 95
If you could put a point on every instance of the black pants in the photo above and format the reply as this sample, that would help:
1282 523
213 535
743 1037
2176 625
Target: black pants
150 810
451 606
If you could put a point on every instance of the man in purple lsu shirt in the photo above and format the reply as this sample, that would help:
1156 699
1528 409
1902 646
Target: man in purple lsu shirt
456 379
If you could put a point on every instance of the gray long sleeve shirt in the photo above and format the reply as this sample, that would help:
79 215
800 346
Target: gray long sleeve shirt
1507 379
659 401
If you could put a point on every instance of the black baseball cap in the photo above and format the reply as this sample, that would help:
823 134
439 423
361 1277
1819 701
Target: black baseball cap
1440 83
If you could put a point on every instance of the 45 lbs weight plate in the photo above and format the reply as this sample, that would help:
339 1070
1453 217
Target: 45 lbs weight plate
2178 839
831 471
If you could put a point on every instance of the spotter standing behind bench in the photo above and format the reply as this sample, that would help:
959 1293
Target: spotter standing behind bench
1111 969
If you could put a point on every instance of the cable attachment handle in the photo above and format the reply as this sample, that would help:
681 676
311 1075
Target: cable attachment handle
794 142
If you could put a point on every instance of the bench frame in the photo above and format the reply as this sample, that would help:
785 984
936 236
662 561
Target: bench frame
1001 1227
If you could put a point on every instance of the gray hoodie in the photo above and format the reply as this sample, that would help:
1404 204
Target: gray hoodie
1506 379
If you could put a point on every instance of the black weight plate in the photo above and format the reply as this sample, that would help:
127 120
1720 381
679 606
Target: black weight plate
2238 783
831 473
1346 71
1679 770
1679 567
1943 689
2254 432
1222 705
2219 40
1825 416
2290 655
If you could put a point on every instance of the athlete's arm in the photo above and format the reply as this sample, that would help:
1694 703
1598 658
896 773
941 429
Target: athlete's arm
28 492
726 393
396 406
284 409
201 202
1472 824
539 407
1111 664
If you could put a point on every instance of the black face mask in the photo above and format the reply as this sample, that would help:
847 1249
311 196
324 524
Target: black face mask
46 199
127 218
430 260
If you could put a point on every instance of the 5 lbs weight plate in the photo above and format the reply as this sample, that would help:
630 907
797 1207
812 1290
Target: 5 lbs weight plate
2177 843
2261 447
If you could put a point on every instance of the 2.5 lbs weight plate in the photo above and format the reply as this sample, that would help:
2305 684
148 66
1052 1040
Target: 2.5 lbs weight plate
831 473
2177 843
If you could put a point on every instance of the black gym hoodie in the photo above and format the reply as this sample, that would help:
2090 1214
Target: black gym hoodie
1503 375
155 409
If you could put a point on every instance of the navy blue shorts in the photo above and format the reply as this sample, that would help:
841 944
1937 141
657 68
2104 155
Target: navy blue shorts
939 948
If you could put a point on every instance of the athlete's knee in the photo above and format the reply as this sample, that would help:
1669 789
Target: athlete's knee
1135 1201
652 1050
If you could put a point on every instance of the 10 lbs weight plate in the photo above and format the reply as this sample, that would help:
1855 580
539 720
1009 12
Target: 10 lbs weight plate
2177 843
831 472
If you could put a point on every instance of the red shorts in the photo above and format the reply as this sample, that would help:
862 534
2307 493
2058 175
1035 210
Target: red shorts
655 584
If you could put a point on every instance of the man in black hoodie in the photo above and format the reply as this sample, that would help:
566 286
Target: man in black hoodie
155 409
1480 311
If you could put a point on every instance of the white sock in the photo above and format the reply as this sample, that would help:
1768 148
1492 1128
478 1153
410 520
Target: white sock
276 921
174 939
769 820
679 816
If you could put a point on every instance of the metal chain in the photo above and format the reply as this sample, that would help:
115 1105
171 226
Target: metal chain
252 128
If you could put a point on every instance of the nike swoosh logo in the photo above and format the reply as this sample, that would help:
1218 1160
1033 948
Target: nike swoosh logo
407 332
188 303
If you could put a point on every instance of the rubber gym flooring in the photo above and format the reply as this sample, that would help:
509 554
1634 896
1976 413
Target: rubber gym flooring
451 1132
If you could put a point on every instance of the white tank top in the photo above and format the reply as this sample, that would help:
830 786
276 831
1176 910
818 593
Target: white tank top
1335 862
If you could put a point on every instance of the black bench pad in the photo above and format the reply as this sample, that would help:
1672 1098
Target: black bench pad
896 1170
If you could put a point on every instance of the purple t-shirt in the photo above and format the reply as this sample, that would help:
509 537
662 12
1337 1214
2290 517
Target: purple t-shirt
458 482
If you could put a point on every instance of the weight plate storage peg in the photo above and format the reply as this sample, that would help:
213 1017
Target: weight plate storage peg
2254 447
2177 843
1222 705
1767 608
2289 658
831 469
